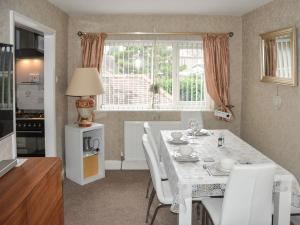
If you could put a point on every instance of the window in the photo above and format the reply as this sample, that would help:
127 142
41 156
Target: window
141 75
284 60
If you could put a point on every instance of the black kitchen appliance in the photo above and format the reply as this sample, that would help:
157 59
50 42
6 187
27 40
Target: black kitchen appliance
28 44
30 129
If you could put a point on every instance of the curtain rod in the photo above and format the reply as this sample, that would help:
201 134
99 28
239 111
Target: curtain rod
230 34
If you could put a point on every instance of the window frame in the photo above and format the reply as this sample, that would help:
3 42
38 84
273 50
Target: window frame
177 104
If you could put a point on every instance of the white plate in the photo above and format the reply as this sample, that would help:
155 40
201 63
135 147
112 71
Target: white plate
178 142
185 158
200 133
220 168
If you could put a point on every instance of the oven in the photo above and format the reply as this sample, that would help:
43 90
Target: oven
30 136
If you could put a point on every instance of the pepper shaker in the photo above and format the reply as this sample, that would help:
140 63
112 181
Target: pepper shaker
221 140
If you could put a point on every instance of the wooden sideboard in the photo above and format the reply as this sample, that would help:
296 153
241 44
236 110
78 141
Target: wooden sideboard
32 194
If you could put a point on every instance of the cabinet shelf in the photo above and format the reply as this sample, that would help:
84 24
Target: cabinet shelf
89 153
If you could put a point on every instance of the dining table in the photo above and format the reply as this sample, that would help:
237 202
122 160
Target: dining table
198 179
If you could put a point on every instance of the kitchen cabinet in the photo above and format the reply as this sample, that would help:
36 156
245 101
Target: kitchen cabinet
32 194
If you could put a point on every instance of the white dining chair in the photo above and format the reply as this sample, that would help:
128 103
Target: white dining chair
154 147
160 188
247 199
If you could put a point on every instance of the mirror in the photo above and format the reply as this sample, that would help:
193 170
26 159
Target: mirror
278 57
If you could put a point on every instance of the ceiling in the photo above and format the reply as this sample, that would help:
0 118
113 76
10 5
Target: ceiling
201 7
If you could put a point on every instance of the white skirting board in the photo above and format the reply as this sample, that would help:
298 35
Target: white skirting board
127 165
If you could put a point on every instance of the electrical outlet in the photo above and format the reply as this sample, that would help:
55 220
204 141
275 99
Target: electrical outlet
222 114
122 156
34 77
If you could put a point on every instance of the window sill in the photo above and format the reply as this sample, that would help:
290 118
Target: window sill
151 110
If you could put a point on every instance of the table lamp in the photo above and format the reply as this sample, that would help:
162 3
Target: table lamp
85 83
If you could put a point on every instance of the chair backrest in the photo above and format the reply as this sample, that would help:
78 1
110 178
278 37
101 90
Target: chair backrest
248 195
154 168
151 141
157 126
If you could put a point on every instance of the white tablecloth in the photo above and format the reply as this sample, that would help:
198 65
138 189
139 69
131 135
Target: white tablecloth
192 179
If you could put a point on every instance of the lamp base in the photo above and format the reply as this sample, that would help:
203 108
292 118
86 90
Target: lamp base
85 107
84 123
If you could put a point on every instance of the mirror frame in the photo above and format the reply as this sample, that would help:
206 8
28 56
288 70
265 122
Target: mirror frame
293 81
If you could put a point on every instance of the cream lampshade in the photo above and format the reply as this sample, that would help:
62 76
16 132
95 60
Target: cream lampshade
86 82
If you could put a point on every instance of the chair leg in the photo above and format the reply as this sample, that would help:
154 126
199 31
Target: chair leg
203 216
152 195
156 211
202 221
148 186
198 211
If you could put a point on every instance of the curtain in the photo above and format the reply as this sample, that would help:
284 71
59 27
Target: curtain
216 63
92 46
270 57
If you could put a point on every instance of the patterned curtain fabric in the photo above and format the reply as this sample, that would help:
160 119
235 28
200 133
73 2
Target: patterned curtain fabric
270 58
216 63
92 46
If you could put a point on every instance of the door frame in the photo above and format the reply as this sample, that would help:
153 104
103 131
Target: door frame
49 78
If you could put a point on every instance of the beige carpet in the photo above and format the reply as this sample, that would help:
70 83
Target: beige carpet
119 199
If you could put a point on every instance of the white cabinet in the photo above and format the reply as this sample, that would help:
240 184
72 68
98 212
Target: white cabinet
84 153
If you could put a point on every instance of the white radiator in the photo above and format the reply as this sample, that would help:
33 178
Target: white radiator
133 148
133 132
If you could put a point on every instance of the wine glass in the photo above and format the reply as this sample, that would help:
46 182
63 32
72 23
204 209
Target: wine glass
193 125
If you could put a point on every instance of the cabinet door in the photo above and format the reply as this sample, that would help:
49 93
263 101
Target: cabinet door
45 197
37 203
19 217
57 217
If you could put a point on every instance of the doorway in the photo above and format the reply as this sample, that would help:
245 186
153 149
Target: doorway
49 34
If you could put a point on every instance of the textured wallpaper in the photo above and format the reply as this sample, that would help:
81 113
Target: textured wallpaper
274 132
125 23
49 15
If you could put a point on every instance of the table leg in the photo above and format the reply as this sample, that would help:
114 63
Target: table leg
282 208
185 209
185 212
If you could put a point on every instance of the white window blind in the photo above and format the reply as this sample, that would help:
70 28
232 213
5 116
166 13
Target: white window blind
142 75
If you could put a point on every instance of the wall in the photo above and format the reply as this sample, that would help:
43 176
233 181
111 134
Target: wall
47 14
274 132
126 23
30 96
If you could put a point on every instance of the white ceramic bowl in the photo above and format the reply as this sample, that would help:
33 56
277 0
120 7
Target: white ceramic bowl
176 135
186 150
227 163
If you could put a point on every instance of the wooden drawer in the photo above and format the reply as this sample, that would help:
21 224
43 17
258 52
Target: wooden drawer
19 216
44 198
